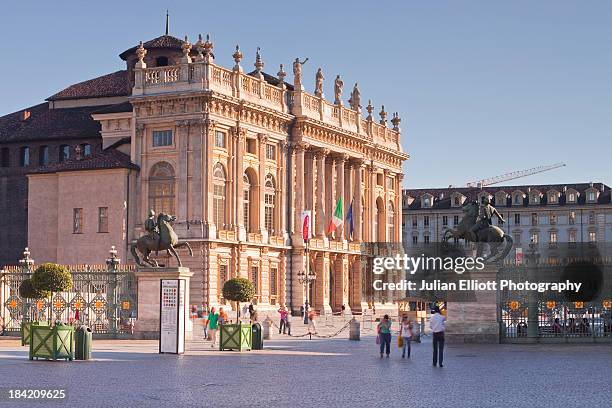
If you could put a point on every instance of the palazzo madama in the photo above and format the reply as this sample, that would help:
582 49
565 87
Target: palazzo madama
238 154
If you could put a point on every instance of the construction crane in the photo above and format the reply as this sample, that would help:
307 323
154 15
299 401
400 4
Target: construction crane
514 175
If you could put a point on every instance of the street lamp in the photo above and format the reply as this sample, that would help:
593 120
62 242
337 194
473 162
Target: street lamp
306 278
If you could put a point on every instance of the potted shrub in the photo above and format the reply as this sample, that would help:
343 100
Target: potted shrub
237 336
28 291
52 342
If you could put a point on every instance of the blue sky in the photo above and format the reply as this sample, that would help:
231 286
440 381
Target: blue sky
482 87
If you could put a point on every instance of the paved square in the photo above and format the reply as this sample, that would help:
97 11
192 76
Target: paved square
313 373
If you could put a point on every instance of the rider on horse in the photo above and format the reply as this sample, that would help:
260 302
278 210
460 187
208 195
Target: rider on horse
150 225
485 215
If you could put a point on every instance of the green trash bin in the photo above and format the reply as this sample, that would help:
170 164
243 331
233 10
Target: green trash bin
82 343
257 337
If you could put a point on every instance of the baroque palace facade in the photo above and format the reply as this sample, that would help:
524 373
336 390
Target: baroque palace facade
237 157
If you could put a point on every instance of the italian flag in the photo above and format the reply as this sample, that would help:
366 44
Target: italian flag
337 219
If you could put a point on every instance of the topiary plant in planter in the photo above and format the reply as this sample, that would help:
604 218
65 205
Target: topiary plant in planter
237 336
27 290
52 342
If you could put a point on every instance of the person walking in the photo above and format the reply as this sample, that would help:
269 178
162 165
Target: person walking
312 326
213 325
437 327
406 334
283 320
223 317
384 333
288 322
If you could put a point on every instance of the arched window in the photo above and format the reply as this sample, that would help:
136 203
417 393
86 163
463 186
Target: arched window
219 180
246 202
161 188
391 221
379 221
269 203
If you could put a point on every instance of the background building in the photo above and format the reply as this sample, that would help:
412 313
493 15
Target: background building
539 214
237 157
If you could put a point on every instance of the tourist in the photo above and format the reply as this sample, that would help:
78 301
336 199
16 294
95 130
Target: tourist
384 333
437 327
253 314
213 325
223 317
245 311
288 322
406 334
556 326
283 320
312 327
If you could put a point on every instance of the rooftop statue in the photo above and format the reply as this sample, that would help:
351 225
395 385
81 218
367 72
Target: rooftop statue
338 86
160 237
355 101
297 70
476 226
319 83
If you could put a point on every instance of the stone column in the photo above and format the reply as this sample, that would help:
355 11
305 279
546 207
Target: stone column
239 137
182 142
281 191
309 190
348 198
372 206
321 193
357 202
299 187
138 159
209 223
384 207
196 193
263 140
330 191
340 193
321 288
297 289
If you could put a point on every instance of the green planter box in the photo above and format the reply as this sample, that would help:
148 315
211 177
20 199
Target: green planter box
26 329
52 343
235 337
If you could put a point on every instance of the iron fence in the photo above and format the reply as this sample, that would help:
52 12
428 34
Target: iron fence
103 297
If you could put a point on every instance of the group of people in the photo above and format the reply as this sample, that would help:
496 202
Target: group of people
284 326
214 319
406 335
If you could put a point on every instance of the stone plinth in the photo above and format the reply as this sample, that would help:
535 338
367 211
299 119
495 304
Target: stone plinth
147 323
474 321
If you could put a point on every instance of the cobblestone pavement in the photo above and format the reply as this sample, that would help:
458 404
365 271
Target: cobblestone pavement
313 373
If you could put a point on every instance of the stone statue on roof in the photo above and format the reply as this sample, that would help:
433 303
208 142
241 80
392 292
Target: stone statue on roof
319 83
338 86
297 71
355 101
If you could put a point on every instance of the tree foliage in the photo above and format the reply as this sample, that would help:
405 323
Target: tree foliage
28 290
239 290
52 278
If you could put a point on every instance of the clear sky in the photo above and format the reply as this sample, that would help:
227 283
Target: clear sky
482 87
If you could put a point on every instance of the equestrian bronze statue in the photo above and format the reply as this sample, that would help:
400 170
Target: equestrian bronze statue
160 237
476 226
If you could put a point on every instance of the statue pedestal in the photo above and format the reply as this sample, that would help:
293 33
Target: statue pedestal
149 279
476 320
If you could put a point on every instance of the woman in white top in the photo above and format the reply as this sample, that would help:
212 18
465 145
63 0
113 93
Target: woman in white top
406 334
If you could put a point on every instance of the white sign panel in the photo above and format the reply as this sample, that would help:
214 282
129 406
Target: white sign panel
172 316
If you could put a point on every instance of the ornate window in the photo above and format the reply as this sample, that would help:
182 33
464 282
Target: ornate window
219 180
246 202
255 279
273 285
102 219
161 188
269 203
572 217
391 221
379 221
270 152
220 139
222 279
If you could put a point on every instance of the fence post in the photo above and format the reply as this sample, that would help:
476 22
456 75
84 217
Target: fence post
112 263
26 269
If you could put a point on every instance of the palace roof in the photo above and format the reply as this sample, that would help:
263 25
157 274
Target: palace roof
116 108
106 159
49 124
161 42
442 196
115 84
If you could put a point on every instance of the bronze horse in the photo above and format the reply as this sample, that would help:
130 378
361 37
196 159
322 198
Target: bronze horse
492 234
167 241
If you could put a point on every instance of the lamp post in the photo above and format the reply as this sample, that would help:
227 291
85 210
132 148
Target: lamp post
306 278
